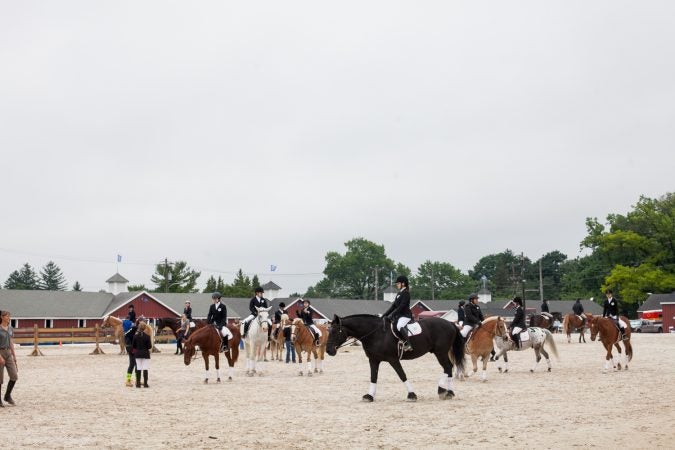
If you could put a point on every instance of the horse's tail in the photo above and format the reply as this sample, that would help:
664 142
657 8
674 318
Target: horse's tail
551 342
566 324
456 353
629 349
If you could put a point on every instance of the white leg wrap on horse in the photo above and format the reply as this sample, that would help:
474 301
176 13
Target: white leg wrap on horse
218 374
309 366
443 381
230 372
206 375
451 387
408 386
372 389
483 375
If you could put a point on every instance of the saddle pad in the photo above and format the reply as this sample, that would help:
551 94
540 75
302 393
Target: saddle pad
524 336
192 325
414 329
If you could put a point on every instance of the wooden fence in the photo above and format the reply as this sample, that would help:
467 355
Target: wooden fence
94 335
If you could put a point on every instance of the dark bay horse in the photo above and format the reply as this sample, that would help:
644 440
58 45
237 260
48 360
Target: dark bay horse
606 328
572 322
173 323
438 336
544 320
208 341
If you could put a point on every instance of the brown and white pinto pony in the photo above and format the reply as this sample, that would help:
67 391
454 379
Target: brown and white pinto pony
481 343
606 329
572 322
303 340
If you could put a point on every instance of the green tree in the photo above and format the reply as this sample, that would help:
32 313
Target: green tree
137 288
353 274
503 271
210 285
77 287
241 286
24 278
51 278
175 277
441 281
633 283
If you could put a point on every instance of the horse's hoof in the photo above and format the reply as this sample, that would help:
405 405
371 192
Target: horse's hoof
206 381
411 397
549 369
250 374
321 371
218 380
367 398
300 374
229 378
316 370
449 395
309 374
531 370
260 374
500 369
441 392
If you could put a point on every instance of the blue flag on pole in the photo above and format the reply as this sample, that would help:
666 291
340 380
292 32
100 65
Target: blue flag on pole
273 267
119 258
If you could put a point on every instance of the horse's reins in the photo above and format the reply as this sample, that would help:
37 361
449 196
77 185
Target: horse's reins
348 342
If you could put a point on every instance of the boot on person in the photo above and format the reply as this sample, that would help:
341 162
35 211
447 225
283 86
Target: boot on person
128 382
224 344
246 325
1 405
516 341
407 346
8 392
145 379
138 379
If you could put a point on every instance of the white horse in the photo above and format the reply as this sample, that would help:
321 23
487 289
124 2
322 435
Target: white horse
535 338
256 341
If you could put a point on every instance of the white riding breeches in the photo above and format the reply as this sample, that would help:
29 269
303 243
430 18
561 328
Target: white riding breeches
402 321
622 324
316 330
466 329
225 332
249 318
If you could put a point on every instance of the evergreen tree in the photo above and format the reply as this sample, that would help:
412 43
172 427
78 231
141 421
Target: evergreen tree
175 277
24 278
51 278
220 285
77 287
211 285
137 288
255 282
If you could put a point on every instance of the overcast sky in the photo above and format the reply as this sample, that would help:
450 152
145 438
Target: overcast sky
243 134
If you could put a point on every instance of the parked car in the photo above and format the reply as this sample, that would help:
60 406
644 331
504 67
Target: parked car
646 326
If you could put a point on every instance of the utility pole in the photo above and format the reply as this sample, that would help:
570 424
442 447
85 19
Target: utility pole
522 275
377 280
433 294
166 274
541 284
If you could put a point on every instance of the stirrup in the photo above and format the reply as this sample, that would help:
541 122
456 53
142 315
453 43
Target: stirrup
407 347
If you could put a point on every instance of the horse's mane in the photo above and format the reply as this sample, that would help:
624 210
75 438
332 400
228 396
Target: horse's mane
361 315
491 319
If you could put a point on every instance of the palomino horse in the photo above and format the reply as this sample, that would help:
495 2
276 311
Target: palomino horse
116 324
544 320
537 338
572 322
256 341
208 340
277 343
609 335
481 344
438 336
303 339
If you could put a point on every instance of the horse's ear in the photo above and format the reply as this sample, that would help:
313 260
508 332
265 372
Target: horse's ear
336 319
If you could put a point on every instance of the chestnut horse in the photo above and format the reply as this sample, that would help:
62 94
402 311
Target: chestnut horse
173 323
481 344
116 324
208 340
544 320
572 322
303 339
606 328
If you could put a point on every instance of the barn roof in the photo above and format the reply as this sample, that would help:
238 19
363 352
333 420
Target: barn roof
200 303
25 304
653 302
271 286
328 307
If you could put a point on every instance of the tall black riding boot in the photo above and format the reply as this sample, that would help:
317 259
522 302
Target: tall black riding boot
8 393
138 378
225 344
145 378
246 325
1 405
407 346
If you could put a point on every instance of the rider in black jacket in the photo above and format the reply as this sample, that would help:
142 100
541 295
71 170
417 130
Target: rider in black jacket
399 312
610 308
258 301
218 317
518 323
473 315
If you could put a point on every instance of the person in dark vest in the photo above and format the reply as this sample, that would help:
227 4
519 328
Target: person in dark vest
277 317
7 357
307 316
578 309
473 316
188 310
610 308
399 312
258 301
218 317
129 329
544 307
141 345
180 334
131 314
518 323
460 314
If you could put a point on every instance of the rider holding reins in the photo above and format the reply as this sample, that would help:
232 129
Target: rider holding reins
473 316
218 317
610 308
258 301
518 322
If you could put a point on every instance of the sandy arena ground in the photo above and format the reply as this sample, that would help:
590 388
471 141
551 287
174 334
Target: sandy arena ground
69 398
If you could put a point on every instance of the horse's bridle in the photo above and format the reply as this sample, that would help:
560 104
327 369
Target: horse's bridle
355 339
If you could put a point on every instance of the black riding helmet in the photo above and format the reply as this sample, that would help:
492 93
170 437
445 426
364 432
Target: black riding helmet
403 280
259 289
518 301
216 295
472 297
